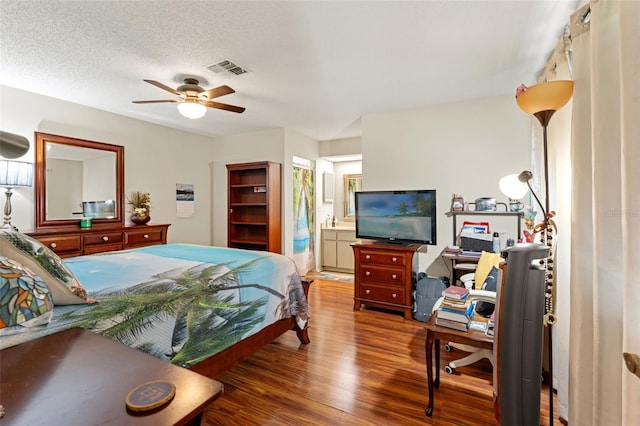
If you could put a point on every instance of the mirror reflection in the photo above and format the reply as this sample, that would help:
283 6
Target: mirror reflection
80 182
352 184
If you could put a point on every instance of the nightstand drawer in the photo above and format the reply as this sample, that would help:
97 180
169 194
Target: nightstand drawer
381 258
382 275
382 294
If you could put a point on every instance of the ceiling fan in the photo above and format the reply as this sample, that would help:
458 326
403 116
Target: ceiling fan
194 99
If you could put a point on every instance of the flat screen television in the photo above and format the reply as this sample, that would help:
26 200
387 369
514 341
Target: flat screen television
397 217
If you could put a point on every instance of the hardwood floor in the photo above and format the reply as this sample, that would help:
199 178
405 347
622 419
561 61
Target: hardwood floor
361 368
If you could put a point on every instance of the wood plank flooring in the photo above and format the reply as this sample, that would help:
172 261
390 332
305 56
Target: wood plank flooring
361 368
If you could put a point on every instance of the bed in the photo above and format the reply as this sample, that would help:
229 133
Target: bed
200 307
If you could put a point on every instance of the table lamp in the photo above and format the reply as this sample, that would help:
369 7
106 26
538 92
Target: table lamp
13 174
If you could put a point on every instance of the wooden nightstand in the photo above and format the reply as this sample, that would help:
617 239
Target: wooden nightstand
76 377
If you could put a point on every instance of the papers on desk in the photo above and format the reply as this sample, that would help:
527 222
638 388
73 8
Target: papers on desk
478 325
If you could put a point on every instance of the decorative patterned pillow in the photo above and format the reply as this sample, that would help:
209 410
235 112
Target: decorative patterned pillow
24 298
65 288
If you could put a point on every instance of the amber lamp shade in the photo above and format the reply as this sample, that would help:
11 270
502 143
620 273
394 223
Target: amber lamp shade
543 97
542 101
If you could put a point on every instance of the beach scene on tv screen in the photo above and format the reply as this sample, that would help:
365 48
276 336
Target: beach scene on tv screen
399 216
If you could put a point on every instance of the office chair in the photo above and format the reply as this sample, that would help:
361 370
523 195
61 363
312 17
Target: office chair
489 274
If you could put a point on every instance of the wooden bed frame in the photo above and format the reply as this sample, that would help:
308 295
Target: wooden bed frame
222 361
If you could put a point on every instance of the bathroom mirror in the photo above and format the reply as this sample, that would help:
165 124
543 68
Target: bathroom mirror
352 184
72 173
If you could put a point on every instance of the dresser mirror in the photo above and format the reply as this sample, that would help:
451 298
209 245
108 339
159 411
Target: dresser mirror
76 178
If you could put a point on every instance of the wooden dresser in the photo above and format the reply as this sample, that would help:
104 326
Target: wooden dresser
383 276
68 243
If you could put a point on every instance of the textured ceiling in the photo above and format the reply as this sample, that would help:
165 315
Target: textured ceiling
315 66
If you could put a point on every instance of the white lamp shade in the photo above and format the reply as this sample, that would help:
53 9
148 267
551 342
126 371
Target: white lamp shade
192 110
15 173
513 187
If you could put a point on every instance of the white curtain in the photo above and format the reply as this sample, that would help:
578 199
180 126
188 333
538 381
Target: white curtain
605 223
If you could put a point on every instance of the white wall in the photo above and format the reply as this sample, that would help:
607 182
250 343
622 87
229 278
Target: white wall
156 157
463 148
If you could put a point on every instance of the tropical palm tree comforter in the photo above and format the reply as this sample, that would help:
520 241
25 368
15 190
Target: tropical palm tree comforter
178 302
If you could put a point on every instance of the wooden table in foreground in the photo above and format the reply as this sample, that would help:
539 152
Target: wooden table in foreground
435 333
76 377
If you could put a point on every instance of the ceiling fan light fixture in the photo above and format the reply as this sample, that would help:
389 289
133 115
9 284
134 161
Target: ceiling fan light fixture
192 109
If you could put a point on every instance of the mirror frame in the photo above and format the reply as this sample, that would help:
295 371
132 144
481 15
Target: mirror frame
41 222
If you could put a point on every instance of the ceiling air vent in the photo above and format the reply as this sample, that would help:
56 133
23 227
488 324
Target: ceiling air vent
227 67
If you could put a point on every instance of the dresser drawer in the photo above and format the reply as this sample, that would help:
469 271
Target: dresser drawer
382 294
143 237
382 275
381 258
63 246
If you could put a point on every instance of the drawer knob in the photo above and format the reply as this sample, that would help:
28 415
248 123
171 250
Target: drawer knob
394 276
145 236
53 245
367 256
394 259
367 291
394 296
105 238
367 273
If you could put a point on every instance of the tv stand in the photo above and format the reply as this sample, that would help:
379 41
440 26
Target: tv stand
384 276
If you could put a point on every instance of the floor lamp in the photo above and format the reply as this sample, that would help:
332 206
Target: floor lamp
13 174
542 101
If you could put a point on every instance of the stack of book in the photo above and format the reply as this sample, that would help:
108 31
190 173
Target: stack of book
456 309
452 249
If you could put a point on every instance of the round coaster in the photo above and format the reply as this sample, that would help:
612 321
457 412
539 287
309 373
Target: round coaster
150 395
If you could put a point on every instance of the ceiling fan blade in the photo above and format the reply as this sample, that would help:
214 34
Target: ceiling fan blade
217 92
154 102
225 107
163 87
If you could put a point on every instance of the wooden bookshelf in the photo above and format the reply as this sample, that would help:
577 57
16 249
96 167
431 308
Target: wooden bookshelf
254 201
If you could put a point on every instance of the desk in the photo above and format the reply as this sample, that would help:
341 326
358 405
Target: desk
436 333
459 263
76 377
